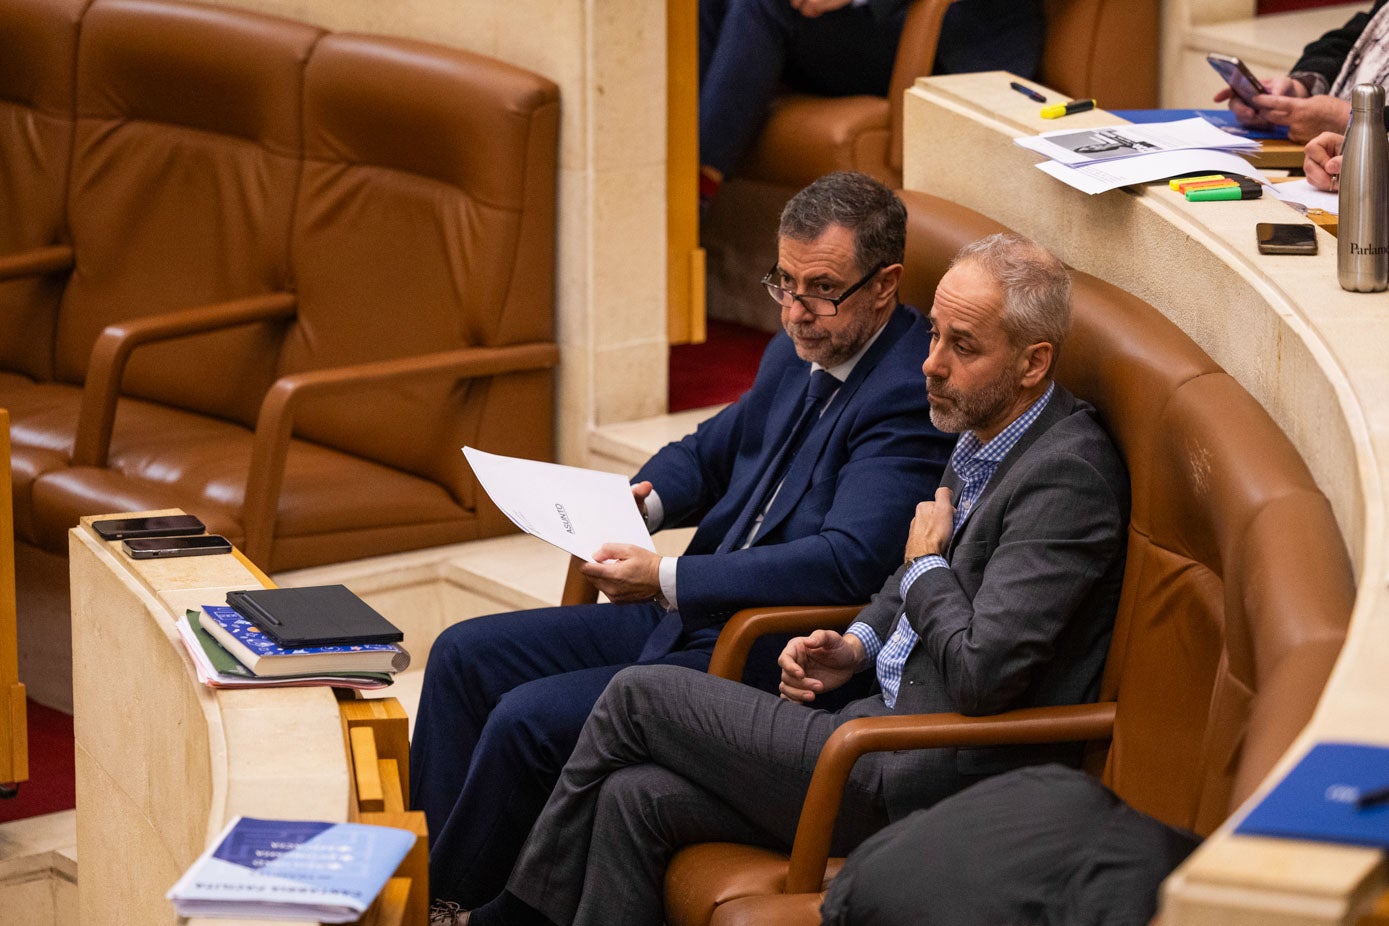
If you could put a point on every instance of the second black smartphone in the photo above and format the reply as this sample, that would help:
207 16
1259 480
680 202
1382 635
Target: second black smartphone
169 525
160 547
1286 238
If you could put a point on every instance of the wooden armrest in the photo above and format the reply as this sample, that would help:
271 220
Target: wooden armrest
275 424
743 628
113 347
810 851
577 588
916 56
36 262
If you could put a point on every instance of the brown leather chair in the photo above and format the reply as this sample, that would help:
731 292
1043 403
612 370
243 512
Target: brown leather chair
1225 634
282 319
1090 50
38 65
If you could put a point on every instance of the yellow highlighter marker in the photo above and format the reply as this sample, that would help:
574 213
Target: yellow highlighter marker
1176 182
1057 110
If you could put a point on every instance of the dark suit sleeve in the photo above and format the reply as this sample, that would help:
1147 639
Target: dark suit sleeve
894 460
1326 55
1062 528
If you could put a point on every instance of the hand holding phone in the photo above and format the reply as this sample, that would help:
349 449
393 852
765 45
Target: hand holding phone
1236 74
162 547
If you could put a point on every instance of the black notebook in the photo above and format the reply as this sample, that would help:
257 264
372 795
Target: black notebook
318 615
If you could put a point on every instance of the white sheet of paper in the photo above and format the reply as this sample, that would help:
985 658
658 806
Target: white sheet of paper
1106 143
1304 194
1110 175
577 510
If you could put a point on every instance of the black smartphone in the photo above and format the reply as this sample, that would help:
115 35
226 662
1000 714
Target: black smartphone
1286 238
169 525
1237 74
160 547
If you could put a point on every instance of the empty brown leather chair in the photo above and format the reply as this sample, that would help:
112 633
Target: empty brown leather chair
321 424
1225 634
38 64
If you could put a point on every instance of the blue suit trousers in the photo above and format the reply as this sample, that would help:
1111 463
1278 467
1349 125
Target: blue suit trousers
505 698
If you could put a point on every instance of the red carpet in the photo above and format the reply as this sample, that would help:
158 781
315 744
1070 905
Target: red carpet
717 371
52 780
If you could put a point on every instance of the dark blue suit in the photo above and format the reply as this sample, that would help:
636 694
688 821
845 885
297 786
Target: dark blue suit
505 695
749 48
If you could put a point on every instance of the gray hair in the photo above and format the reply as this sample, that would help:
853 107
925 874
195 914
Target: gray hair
859 203
1036 287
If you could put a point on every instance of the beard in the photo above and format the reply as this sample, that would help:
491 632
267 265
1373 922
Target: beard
816 344
972 411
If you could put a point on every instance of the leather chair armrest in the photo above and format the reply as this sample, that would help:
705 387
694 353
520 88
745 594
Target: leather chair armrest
743 629
810 851
36 262
275 424
916 57
97 414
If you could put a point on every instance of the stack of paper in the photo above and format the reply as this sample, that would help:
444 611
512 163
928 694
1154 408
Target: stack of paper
291 869
1099 159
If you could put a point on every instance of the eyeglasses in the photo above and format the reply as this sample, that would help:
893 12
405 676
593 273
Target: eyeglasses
815 305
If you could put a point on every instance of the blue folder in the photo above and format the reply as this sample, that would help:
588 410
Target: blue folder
1317 799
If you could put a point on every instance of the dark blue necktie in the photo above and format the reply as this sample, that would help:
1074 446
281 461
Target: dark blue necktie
822 385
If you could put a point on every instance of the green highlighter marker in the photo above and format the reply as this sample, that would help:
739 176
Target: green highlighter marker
1247 189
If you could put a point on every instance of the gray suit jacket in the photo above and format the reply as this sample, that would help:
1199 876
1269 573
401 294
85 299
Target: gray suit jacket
1023 616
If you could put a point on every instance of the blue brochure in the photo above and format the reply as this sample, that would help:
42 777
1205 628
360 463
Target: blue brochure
1320 798
291 869
1222 118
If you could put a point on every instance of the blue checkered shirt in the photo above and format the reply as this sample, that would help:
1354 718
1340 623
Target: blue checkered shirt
975 464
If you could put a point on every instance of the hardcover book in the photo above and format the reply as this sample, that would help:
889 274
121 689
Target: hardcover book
291 869
218 668
263 656
317 615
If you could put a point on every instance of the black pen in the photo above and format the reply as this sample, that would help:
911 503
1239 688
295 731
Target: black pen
1372 798
1027 91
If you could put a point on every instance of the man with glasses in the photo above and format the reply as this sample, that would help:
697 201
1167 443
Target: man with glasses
1005 599
802 491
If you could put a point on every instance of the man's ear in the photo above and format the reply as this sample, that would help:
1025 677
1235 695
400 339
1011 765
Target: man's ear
1035 362
888 280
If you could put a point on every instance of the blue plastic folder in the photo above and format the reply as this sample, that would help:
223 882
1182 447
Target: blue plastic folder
1317 799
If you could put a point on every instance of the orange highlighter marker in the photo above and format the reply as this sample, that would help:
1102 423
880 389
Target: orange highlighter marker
1207 185
1176 182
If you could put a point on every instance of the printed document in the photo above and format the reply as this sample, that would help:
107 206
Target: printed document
577 510
1075 147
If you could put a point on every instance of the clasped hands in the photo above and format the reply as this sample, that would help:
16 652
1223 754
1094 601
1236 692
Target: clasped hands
825 659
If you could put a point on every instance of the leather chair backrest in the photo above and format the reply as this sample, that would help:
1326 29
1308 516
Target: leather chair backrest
1237 589
1103 48
425 223
38 64
184 170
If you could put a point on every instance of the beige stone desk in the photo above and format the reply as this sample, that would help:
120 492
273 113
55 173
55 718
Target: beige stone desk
162 761
1312 354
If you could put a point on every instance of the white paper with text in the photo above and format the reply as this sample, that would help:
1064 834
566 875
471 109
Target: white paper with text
577 510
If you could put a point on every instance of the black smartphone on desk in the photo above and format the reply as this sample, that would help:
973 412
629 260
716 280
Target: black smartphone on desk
169 525
1286 238
161 547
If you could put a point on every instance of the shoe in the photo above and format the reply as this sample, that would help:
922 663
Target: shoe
448 913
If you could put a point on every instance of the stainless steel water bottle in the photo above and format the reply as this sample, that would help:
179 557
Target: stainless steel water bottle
1362 239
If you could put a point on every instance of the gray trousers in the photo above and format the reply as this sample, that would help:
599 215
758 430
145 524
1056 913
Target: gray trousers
671 757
